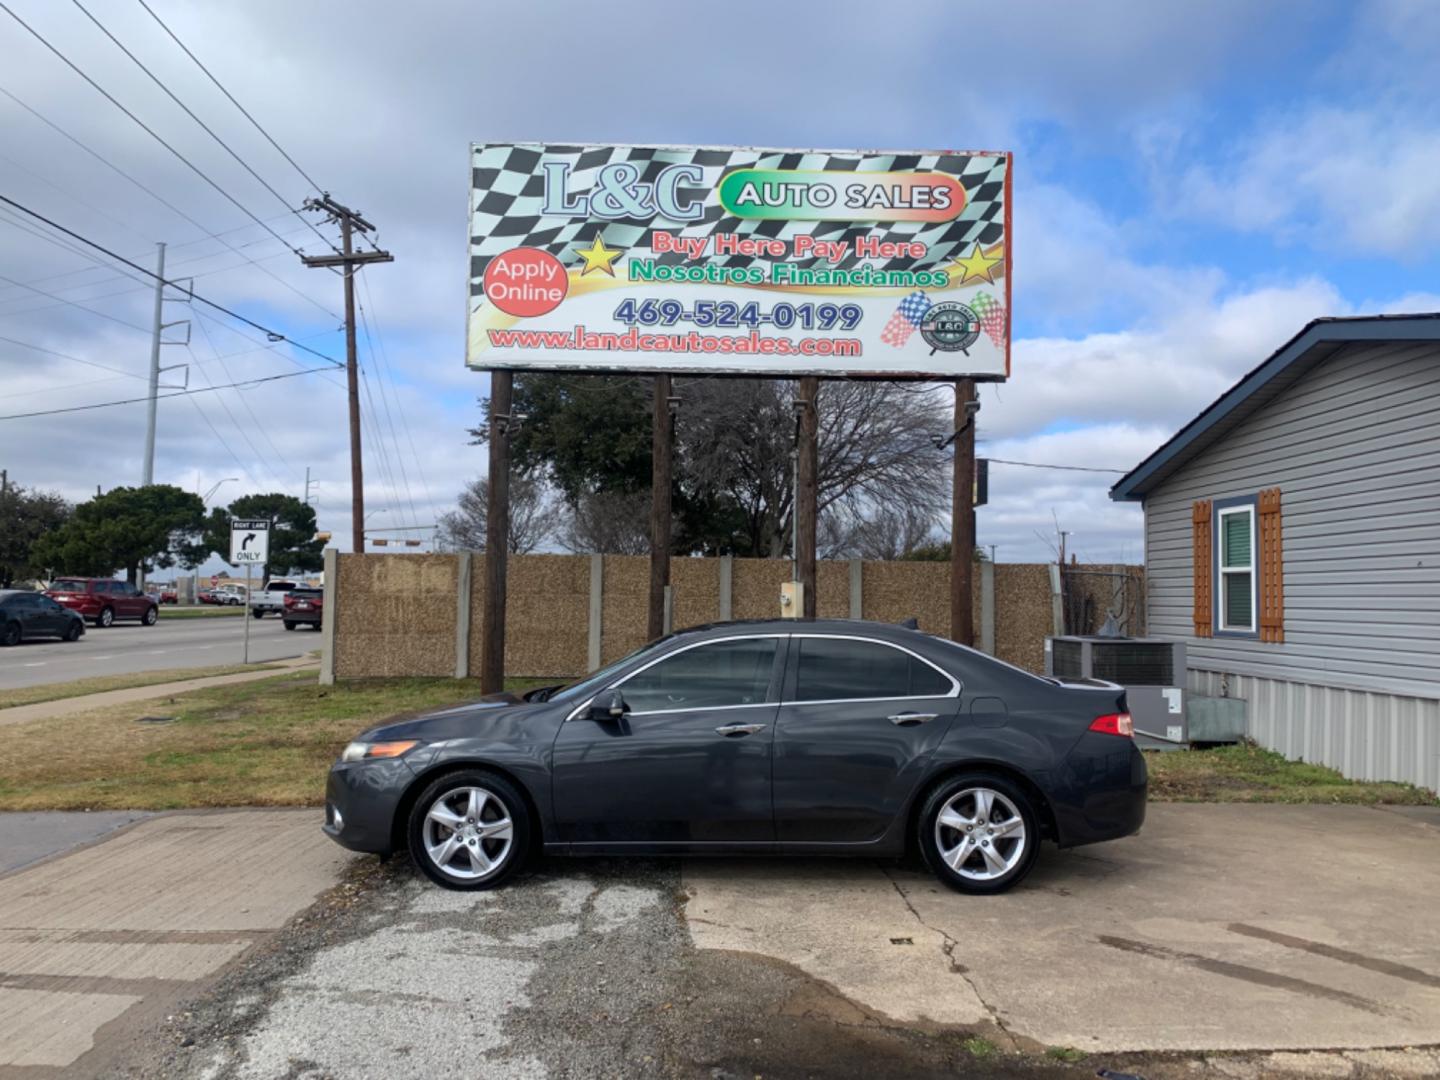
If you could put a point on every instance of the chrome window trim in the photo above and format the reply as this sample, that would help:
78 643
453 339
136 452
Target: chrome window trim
583 706
955 686
954 692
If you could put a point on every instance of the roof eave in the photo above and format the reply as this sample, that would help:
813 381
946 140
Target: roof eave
1139 481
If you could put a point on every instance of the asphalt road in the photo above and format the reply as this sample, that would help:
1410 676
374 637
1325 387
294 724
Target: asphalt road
171 643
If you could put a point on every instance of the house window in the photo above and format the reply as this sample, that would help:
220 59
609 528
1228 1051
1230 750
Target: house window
1235 542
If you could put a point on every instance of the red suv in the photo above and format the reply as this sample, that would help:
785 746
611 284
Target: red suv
103 600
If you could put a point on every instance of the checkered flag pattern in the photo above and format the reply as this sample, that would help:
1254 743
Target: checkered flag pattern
992 317
509 189
906 320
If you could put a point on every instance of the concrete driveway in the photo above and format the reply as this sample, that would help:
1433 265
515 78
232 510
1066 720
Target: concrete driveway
1220 927
1262 932
1225 941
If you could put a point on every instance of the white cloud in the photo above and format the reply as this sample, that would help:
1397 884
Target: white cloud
1354 180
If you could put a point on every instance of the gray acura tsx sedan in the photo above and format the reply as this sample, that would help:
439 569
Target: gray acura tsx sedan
795 737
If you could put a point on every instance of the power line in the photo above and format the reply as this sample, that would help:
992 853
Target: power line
271 334
264 434
204 126
1066 468
143 126
100 264
166 202
389 416
67 356
161 397
388 371
230 96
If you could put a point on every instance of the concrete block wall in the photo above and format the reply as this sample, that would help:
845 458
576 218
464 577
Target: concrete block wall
568 614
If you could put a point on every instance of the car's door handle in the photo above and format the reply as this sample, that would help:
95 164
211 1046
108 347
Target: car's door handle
906 719
739 729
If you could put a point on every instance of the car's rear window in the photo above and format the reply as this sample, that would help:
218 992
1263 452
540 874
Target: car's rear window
70 585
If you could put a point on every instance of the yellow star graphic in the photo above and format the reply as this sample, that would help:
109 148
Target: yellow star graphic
977 266
598 257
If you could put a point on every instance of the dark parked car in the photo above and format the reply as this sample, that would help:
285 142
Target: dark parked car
302 604
103 600
775 737
25 615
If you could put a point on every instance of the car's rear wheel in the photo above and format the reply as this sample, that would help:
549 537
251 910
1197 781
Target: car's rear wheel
979 833
289 625
257 613
152 615
469 830
10 635
74 630
105 618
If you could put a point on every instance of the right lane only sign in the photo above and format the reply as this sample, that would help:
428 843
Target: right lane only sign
249 542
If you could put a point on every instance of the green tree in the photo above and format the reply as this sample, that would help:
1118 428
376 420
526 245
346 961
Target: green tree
26 516
124 529
293 547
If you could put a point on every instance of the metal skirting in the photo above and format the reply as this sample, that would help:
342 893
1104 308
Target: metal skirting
1366 735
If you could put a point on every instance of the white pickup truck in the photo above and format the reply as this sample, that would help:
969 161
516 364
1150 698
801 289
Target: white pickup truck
272 597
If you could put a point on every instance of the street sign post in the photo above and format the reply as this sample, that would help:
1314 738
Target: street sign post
249 545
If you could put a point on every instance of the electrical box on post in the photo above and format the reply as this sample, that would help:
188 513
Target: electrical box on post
792 599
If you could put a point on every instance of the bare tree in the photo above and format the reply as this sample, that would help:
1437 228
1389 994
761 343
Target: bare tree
534 516
876 441
608 523
884 532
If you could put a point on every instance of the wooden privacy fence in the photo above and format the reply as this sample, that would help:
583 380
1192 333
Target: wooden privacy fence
419 615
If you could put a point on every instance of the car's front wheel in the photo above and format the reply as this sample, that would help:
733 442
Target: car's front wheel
74 630
105 618
152 614
469 830
979 833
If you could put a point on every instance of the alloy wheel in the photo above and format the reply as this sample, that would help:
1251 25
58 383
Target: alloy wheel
980 834
468 833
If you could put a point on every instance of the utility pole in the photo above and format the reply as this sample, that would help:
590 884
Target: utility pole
962 516
148 476
350 260
497 534
662 466
806 491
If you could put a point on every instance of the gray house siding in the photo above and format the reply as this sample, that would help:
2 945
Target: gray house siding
1354 446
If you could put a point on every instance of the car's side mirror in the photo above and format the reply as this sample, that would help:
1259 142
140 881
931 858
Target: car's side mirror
609 705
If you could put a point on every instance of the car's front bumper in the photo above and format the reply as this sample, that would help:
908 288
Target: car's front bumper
361 798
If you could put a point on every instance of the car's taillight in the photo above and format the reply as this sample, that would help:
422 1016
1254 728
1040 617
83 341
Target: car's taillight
1114 724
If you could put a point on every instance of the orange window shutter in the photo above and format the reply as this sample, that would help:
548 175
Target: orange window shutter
1272 568
1204 577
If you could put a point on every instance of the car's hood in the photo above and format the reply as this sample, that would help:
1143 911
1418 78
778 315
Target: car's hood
489 716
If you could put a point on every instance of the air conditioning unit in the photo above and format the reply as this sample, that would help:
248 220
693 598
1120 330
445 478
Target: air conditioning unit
1151 670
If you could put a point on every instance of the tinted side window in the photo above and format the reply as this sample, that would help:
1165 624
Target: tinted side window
22 602
839 669
707 676
925 681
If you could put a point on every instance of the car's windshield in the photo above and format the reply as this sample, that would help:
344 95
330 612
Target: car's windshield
598 681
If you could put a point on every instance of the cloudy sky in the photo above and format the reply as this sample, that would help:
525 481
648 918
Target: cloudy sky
1193 182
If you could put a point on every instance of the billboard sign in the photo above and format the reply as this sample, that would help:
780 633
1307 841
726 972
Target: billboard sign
739 261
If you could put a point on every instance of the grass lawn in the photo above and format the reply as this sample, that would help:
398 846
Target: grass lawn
1248 773
270 743
263 743
204 612
31 695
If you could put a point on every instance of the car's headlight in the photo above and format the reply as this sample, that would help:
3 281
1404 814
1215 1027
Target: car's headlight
368 751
